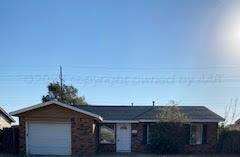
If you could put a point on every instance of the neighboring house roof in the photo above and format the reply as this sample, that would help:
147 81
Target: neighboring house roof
148 113
238 121
15 113
6 115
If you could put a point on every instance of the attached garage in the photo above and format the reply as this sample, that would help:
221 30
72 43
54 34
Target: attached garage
54 128
49 138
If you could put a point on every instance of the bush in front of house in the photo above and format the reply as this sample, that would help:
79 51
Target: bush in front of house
169 134
229 141
167 138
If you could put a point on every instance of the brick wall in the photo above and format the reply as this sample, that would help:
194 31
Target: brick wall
105 147
136 144
210 147
82 128
83 136
22 137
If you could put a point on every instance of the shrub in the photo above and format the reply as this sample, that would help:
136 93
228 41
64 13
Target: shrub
170 134
229 142
167 138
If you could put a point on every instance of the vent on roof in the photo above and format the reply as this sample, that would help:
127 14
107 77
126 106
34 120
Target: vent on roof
153 103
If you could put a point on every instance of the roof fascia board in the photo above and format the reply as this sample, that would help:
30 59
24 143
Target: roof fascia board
154 121
56 103
7 115
207 120
120 121
192 121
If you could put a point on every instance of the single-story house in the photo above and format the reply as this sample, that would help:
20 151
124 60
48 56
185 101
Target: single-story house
54 128
5 119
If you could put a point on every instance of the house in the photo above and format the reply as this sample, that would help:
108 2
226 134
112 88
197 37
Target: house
54 128
235 126
237 122
5 119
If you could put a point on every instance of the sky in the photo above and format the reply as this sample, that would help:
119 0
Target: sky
119 52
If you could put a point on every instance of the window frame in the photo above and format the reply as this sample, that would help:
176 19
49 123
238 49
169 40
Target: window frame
201 133
148 142
148 133
114 134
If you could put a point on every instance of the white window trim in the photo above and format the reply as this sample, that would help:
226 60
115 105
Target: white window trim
148 138
148 134
200 134
114 126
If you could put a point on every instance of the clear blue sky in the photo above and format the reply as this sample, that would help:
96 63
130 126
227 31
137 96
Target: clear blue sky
121 40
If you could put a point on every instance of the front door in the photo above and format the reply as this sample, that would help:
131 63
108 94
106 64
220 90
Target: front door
123 137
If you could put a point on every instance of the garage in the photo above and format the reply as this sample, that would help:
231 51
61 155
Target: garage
54 128
49 138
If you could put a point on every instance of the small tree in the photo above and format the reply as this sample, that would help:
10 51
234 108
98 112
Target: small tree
65 94
169 135
171 114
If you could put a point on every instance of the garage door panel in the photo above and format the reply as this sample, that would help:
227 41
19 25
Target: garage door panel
49 138
46 150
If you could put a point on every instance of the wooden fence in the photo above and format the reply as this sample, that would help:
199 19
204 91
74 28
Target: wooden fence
9 140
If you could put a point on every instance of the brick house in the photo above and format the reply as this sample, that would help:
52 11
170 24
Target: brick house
54 128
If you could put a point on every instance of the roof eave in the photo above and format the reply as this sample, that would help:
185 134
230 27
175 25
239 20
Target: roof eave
191 120
155 120
7 115
16 113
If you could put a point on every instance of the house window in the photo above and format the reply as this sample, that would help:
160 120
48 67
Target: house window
150 130
196 132
107 134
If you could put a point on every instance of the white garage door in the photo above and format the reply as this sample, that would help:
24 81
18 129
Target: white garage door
49 138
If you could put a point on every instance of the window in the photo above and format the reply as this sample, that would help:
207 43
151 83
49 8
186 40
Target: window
151 129
107 134
196 132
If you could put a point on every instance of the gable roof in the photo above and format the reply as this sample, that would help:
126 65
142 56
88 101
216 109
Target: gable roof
131 113
148 113
6 115
15 113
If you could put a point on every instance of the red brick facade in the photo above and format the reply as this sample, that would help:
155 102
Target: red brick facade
22 137
138 146
137 139
107 148
85 132
83 136
210 146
